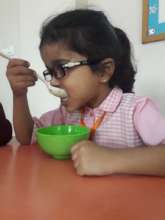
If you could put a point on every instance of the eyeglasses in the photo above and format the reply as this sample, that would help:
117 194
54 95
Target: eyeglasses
60 70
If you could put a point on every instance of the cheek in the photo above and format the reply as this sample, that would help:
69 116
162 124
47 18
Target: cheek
81 90
81 87
81 80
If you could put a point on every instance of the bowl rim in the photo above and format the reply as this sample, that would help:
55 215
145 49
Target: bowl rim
85 131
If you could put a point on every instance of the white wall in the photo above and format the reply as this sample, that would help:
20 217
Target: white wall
20 21
9 35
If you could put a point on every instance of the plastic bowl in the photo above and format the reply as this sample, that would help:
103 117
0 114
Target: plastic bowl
57 140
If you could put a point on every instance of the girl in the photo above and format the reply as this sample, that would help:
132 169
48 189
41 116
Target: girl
5 128
89 58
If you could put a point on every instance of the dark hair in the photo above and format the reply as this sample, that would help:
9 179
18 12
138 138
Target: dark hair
89 33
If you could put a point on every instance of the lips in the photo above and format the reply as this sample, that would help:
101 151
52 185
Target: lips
64 100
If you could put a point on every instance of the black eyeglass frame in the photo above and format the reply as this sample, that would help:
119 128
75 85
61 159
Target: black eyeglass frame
62 68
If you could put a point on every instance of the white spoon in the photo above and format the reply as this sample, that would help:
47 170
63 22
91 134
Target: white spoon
54 90
4 56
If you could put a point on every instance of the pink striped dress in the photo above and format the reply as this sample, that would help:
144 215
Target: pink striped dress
130 121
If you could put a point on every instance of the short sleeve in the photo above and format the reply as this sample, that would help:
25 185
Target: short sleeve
149 123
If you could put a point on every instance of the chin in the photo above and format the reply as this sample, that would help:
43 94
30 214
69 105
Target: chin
72 106
70 109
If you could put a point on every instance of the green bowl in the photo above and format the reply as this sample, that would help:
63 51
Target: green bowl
57 140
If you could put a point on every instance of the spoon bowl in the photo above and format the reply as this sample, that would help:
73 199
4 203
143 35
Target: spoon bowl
53 90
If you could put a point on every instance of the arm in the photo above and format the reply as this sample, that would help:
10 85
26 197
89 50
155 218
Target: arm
91 159
22 120
142 160
5 128
21 77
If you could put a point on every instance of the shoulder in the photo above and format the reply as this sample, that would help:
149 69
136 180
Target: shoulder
137 102
148 121
128 103
140 105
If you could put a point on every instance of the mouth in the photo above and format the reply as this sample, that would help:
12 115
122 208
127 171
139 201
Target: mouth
64 100
61 93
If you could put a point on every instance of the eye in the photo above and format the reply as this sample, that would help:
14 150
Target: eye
58 71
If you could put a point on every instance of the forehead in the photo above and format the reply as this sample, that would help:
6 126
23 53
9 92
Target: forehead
56 52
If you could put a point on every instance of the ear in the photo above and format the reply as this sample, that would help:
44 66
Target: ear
108 68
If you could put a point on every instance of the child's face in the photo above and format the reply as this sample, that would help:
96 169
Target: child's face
84 87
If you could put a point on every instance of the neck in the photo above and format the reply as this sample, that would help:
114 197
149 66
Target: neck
103 93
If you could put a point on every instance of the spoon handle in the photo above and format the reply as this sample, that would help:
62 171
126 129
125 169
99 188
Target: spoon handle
40 78
4 56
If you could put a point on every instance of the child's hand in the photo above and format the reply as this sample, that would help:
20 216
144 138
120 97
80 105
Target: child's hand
91 159
20 76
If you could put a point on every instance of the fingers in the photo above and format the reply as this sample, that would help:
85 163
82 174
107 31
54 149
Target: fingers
20 76
91 159
17 71
75 147
78 164
23 81
75 154
80 170
77 157
18 62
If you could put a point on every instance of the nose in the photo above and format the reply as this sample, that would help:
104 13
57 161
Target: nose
55 82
